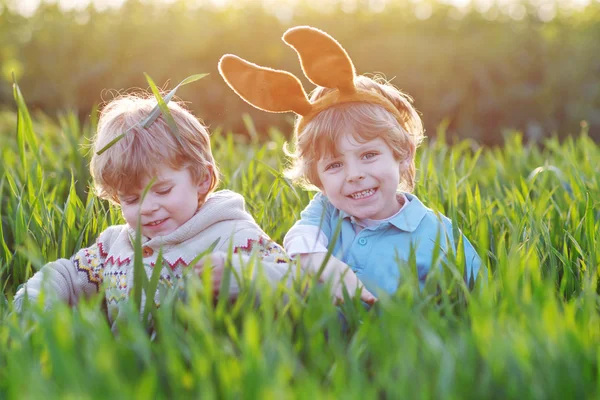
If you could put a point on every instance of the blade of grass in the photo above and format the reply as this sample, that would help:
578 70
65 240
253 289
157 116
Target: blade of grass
24 128
156 110
160 107
150 305
140 279
164 109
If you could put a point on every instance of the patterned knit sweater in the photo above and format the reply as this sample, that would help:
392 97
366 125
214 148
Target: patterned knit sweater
108 264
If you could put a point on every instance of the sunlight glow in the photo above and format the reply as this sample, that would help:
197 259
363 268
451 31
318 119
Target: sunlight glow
423 11
284 9
26 7
102 5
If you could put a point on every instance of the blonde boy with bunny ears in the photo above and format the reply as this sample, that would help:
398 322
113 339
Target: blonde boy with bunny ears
181 214
355 140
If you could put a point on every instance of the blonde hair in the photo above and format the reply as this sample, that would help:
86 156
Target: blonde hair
141 151
365 121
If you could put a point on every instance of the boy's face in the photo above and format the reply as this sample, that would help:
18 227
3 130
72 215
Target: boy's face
362 179
170 202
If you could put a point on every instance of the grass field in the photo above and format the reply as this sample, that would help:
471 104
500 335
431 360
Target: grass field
533 331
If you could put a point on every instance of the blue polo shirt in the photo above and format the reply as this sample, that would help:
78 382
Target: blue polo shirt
375 253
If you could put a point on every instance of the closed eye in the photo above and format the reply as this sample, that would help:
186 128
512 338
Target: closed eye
164 192
130 200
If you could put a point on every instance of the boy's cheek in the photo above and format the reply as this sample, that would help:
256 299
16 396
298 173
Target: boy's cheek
126 212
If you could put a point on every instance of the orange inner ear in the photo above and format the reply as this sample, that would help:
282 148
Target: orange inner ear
324 61
264 88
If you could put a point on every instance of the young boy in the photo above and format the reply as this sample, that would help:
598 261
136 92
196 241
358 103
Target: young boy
355 140
180 214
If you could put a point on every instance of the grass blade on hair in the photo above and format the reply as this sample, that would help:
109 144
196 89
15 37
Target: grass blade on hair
156 110
160 107
164 109
112 142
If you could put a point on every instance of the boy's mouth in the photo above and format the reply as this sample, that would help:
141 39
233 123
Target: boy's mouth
155 223
362 194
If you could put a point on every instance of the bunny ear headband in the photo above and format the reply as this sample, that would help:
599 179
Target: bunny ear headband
324 62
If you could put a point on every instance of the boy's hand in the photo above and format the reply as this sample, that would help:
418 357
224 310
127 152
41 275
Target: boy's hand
216 262
340 274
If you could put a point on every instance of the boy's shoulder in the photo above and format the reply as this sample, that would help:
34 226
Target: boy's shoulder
425 218
319 197
416 217
415 214
224 206
225 194
110 234
429 212
224 199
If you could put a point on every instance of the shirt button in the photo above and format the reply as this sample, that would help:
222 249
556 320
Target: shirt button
362 241
147 251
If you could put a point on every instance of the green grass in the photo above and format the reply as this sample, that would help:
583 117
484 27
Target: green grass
532 332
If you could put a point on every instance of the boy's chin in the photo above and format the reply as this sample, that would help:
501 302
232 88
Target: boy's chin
151 233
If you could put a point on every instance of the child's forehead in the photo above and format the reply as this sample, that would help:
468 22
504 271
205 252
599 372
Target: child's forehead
159 179
148 180
335 146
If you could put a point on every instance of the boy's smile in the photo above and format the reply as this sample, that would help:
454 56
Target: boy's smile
154 226
170 202
362 179
363 194
155 223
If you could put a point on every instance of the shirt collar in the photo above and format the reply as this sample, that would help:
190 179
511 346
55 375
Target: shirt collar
409 219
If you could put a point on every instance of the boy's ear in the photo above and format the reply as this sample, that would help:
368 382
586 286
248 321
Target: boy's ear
205 183
404 164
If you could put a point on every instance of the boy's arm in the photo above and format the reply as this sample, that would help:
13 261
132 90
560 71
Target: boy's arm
65 280
318 213
305 239
277 268
311 233
275 262
308 240
245 245
340 275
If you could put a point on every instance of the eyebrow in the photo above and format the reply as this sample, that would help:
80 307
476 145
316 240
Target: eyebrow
126 195
359 149
163 182
369 145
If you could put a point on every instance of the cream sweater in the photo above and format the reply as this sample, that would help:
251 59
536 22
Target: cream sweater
108 264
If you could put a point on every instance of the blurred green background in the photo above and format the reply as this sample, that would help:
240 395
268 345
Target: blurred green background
479 66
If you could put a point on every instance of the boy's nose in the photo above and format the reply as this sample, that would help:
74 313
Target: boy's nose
149 205
354 174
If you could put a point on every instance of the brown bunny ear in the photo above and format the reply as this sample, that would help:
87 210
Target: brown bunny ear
323 59
264 88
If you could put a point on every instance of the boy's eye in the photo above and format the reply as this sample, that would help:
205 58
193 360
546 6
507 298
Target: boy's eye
164 192
370 154
333 165
130 200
